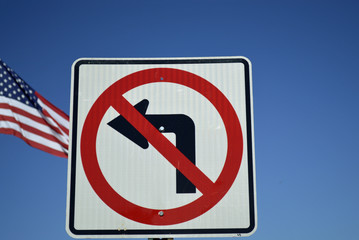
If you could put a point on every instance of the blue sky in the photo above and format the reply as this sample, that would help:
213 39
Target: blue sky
305 87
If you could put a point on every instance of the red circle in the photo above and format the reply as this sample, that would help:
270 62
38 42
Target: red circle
175 215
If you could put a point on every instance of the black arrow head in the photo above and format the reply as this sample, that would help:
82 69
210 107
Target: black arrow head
121 125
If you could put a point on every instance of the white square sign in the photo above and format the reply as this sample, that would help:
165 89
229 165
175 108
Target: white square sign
161 148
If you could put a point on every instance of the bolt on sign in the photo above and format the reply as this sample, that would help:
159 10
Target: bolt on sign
161 148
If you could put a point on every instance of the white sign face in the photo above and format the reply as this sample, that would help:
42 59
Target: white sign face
161 148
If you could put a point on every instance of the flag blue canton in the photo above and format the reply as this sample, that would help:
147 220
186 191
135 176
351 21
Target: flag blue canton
12 86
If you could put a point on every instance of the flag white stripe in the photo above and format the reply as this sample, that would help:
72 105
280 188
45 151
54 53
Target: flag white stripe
53 123
28 121
54 115
32 136
20 105
33 112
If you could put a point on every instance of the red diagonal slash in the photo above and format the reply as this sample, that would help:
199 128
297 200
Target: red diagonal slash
164 146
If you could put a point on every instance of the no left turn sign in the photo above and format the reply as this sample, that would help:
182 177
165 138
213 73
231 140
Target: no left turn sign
161 148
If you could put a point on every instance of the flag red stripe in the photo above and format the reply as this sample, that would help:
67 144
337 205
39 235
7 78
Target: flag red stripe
21 112
50 105
35 131
29 115
32 143
64 129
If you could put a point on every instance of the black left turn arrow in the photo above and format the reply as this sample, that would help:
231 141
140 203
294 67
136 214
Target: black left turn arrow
179 124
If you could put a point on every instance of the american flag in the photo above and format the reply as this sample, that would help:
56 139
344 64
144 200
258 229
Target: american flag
29 116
